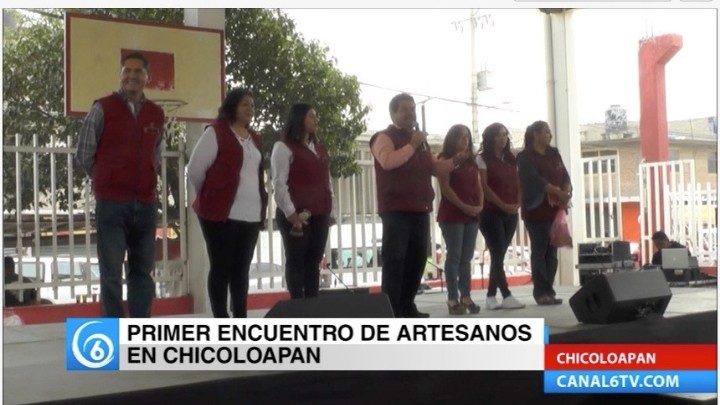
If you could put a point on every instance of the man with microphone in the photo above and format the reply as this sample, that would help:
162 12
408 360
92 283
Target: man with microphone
404 168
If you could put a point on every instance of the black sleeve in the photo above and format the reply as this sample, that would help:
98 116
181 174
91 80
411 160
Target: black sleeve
657 258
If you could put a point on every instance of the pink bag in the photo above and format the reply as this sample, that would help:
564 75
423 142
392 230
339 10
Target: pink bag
560 231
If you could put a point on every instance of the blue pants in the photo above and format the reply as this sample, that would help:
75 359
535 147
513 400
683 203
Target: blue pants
460 241
126 226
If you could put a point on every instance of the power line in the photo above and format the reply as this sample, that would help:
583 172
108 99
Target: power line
449 100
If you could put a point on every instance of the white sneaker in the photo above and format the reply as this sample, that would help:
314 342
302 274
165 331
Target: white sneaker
512 303
492 303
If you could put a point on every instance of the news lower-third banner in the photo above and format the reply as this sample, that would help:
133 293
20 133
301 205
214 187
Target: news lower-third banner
631 368
304 344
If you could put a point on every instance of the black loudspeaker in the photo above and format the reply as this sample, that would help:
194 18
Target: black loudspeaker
324 292
621 297
334 306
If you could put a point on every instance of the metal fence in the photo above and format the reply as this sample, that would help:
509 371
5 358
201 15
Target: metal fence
602 197
681 207
67 272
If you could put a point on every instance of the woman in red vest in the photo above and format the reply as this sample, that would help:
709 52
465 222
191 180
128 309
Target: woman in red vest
301 183
460 206
546 188
499 219
226 169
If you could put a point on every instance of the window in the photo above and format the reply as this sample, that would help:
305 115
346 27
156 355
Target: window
674 154
33 270
712 162
599 166
63 270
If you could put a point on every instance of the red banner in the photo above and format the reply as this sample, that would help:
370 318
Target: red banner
631 357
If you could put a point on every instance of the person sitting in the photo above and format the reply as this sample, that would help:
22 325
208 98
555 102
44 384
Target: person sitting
661 241
12 298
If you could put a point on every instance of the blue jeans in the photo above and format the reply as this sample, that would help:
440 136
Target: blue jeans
498 229
543 258
460 241
126 226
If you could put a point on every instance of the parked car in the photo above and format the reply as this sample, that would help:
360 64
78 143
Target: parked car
71 281
364 257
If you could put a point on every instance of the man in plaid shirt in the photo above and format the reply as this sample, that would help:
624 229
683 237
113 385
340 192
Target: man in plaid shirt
119 147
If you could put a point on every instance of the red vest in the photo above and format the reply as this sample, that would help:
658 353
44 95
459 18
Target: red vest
309 178
406 188
502 179
466 185
222 178
125 167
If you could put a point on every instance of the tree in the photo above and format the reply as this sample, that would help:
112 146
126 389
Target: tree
33 105
265 53
281 68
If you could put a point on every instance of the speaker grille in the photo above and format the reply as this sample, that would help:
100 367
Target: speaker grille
621 297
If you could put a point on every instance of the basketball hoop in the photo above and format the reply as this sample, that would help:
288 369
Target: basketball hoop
170 106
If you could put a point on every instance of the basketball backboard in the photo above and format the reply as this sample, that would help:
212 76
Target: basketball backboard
675 258
187 67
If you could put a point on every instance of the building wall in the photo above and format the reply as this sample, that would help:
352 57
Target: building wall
700 155
629 161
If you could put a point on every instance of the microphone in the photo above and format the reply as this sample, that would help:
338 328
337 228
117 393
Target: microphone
421 148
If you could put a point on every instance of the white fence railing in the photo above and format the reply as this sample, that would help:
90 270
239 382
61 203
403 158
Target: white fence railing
602 197
67 272
671 200
55 247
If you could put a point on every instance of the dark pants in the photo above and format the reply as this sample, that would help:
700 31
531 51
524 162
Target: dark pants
543 258
303 254
404 252
126 226
230 246
498 229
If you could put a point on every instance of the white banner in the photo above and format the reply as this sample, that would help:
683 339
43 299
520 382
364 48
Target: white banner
331 344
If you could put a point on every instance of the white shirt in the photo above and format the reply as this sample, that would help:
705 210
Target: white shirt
247 203
280 161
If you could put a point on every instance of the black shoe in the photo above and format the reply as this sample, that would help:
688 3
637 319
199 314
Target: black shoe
416 314
548 300
412 312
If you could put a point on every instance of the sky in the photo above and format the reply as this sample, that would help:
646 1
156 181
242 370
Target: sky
428 53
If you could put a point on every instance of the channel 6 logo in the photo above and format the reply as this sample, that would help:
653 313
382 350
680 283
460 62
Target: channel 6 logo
92 344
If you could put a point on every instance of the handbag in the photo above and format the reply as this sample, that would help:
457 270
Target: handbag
560 231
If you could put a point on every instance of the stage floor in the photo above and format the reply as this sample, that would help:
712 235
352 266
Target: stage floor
34 355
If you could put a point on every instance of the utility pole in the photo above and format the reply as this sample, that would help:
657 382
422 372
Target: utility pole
473 76
482 20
